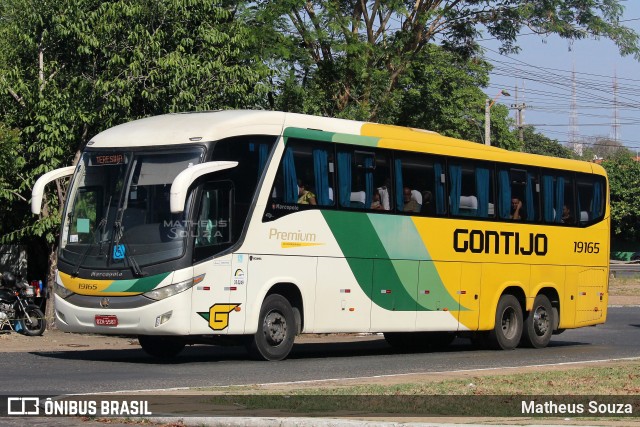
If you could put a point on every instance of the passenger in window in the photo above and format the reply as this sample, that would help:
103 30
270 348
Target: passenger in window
305 197
410 205
566 215
517 210
376 203
428 207
385 195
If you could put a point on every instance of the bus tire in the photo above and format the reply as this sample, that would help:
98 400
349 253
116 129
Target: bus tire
276 330
161 347
507 331
538 325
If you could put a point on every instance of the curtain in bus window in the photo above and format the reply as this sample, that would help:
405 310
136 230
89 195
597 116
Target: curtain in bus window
596 201
482 191
204 238
344 178
263 152
559 198
439 185
321 176
290 179
579 211
529 200
368 181
504 199
399 186
547 198
455 190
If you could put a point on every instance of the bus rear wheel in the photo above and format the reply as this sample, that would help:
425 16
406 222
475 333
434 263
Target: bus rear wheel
276 330
538 326
161 347
507 331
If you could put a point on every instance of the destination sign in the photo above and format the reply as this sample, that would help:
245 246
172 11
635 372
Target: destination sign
108 159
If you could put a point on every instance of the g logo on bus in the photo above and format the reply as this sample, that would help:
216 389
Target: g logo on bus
218 315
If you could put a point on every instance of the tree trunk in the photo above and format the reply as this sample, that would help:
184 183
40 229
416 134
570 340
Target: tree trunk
50 283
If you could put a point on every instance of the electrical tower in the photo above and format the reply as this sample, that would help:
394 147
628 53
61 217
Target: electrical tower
574 135
615 124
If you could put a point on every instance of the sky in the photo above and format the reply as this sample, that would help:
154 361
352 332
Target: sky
542 71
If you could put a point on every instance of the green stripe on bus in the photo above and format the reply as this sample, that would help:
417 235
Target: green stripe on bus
367 141
315 135
318 135
144 284
389 270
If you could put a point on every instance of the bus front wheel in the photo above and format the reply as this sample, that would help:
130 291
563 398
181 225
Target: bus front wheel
161 347
507 331
276 330
538 326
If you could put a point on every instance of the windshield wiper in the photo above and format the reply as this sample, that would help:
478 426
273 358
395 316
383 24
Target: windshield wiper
119 235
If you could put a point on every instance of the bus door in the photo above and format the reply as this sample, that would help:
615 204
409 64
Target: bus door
221 293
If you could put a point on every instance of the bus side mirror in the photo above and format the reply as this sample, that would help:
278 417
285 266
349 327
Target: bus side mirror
183 181
38 188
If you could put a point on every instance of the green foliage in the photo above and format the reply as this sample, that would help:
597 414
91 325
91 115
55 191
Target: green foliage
69 70
537 143
624 183
357 53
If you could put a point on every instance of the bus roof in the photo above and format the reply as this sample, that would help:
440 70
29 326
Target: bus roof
183 128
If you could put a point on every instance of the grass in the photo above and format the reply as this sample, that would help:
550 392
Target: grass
622 378
481 395
624 286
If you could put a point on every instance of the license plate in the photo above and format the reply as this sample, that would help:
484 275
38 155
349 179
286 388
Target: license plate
106 320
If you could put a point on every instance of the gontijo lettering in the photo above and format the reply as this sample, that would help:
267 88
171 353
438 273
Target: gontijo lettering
505 242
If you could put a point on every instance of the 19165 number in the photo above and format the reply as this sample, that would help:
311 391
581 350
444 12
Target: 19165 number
586 247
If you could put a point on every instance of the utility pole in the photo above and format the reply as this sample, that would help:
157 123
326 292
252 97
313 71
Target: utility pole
519 116
574 139
488 103
487 122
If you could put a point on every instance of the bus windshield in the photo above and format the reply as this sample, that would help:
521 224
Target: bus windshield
118 210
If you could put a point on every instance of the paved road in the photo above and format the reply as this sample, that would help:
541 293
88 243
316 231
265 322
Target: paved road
113 370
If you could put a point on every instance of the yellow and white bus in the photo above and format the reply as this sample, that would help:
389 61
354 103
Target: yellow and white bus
252 227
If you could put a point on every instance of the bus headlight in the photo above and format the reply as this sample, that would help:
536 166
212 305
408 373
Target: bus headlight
170 290
61 291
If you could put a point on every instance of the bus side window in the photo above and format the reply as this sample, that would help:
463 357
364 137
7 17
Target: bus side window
421 177
590 198
305 174
471 189
360 172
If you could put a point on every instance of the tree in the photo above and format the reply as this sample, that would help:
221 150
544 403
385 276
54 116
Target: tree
624 183
607 148
359 51
537 143
70 70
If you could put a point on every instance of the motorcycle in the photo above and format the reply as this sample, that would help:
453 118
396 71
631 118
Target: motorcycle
17 309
